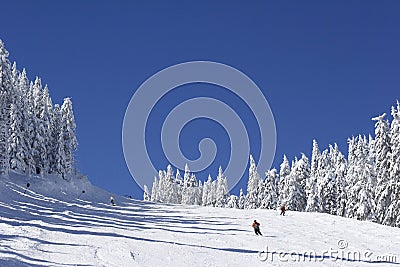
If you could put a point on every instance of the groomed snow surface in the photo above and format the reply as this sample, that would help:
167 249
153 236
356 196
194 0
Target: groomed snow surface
54 224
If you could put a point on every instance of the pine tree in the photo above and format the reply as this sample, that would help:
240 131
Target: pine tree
253 186
233 202
194 191
361 179
172 188
295 184
206 191
212 194
367 204
351 177
327 183
24 117
154 191
311 183
270 196
6 87
56 143
242 200
339 166
262 193
161 197
14 75
198 194
17 144
146 194
186 176
69 135
31 129
284 172
222 192
47 117
162 186
185 189
44 130
39 151
382 151
392 215
16 140
179 186
190 191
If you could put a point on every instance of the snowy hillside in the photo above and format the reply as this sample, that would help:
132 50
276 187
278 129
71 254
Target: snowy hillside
50 226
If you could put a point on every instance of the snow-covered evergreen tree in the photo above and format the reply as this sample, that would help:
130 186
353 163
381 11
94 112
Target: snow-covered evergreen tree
352 177
269 198
339 165
179 185
167 187
212 194
361 178
206 191
14 75
154 191
326 184
295 183
198 194
392 216
18 147
56 144
222 192
16 142
191 193
39 138
146 194
194 191
31 128
253 186
284 172
186 176
23 88
233 202
186 191
382 149
6 87
367 205
162 194
47 117
173 187
69 134
311 182
242 200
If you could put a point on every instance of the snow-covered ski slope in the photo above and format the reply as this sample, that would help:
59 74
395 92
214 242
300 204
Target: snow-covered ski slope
50 226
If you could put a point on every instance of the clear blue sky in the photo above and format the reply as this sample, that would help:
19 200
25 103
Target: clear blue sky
325 67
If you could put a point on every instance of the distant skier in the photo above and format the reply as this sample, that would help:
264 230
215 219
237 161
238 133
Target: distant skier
112 201
27 186
283 209
256 226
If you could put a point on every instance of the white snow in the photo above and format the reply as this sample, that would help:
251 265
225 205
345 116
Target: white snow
50 226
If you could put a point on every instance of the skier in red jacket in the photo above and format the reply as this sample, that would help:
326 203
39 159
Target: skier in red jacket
283 209
256 226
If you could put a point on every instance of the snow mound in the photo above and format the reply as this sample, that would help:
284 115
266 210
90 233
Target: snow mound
54 224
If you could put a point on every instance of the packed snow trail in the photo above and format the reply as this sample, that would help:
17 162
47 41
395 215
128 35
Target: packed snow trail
50 226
